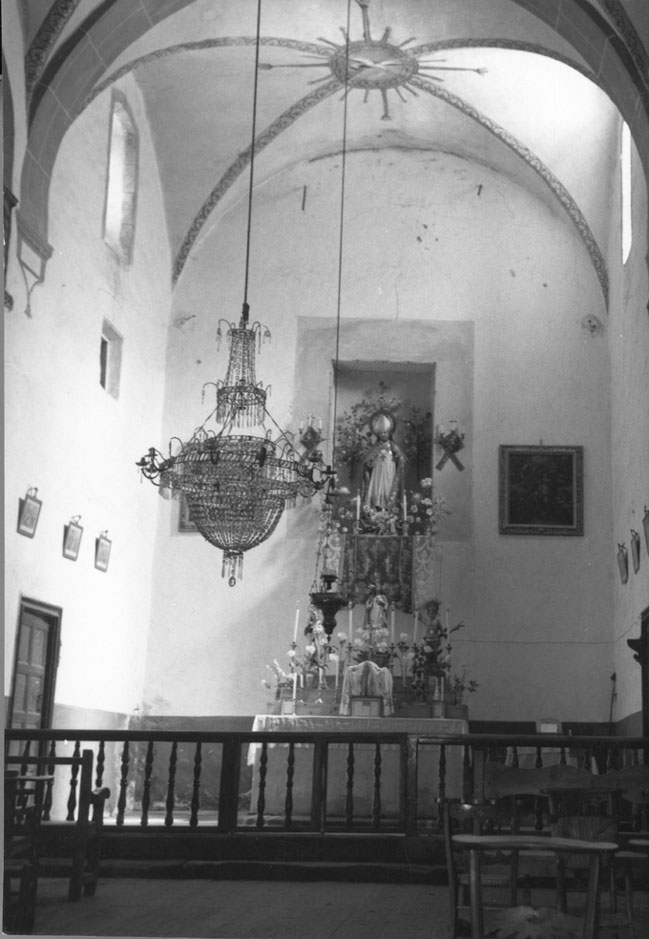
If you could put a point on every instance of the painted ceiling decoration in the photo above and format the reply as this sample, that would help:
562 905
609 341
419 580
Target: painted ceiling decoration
595 38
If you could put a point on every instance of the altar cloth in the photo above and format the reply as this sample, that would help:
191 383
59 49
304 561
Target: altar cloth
364 753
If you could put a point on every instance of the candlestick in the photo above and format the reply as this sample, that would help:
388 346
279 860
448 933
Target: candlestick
414 635
297 620
294 685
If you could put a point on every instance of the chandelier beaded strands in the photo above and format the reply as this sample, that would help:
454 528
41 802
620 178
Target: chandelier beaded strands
237 484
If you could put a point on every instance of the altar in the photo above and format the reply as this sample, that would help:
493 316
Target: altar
364 764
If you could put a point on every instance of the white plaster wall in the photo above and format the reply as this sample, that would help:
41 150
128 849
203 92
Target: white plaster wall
629 342
65 435
418 245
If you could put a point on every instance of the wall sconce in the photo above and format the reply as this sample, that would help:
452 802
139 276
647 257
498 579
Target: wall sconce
72 533
29 509
103 545
635 550
645 524
623 562
451 441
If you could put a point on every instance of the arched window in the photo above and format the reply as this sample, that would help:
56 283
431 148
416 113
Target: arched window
121 182
625 168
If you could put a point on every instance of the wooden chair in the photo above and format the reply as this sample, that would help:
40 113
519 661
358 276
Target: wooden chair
77 838
499 873
23 809
525 920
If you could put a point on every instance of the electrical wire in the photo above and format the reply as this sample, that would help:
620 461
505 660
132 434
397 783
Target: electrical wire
341 239
252 159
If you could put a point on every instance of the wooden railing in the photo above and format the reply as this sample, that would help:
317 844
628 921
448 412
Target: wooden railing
343 782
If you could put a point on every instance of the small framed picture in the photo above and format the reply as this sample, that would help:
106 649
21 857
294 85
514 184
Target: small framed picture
366 707
72 533
29 509
541 490
635 550
623 562
102 552
185 521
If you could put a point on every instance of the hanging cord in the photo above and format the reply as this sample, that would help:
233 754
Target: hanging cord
341 232
252 161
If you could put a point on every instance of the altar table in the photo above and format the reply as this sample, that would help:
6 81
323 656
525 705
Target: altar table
428 764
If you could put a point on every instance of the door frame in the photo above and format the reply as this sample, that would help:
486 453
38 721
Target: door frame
55 614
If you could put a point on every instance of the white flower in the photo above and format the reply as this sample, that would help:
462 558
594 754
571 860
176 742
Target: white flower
291 653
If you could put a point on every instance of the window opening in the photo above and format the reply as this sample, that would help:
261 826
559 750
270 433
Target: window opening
110 359
627 220
121 183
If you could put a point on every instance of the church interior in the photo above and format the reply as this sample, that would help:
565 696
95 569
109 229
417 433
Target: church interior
326 361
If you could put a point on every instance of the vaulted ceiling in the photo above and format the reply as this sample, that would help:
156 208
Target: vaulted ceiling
516 84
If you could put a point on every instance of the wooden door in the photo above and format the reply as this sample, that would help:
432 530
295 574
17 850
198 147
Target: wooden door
37 653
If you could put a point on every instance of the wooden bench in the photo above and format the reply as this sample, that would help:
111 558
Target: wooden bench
77 837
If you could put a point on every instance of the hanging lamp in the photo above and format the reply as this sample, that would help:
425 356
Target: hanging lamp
323 594
237 484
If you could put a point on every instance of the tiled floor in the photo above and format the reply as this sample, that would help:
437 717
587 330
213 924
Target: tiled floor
238 909
227 909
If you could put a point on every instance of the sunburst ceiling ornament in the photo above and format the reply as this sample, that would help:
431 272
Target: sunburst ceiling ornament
376 64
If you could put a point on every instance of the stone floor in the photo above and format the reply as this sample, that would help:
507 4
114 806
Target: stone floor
245 909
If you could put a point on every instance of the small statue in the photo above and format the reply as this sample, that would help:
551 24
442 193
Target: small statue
383 466
376 609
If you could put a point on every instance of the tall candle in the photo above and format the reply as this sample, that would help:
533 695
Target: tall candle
297 620
294 685
447 620
414 635
351 623
405 507
358 507
392 623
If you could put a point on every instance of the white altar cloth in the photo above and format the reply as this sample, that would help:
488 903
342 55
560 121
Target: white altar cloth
428 763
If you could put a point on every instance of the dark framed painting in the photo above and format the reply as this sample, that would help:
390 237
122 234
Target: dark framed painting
185 521
29 509
541 490
72 533
103 545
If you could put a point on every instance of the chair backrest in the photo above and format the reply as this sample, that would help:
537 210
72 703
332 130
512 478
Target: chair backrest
79 783
23 812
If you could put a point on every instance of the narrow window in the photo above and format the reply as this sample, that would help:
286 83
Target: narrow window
627 221
110 359
121 182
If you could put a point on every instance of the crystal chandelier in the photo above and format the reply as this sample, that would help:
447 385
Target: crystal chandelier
237 484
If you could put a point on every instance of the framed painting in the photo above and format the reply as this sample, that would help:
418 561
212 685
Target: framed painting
541 490
29 509
185 521
103 545
72 533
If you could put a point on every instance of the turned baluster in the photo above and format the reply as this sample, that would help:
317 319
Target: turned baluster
123 784
261 800
146 786
290 773
72 800
349 799
376 804
193 819
171 784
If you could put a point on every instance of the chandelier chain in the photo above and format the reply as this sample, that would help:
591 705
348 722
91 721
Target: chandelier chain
252 155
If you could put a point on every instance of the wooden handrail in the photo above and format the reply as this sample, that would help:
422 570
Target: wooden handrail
183 787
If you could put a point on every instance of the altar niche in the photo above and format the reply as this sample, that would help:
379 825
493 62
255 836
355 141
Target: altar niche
383 402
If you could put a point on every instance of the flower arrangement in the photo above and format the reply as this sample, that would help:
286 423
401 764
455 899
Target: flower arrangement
276 679
423 513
